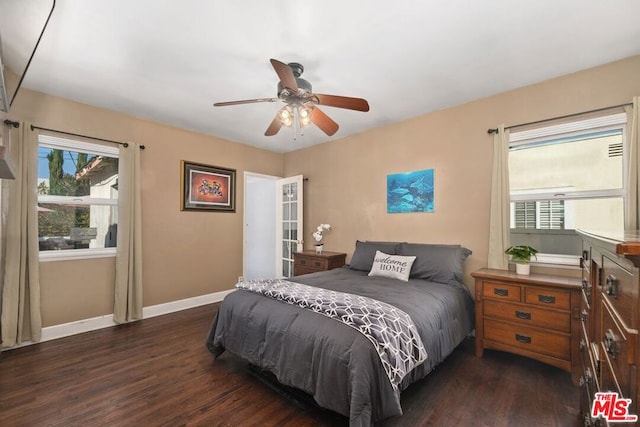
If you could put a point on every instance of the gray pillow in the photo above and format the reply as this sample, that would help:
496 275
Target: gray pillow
365 252
439 263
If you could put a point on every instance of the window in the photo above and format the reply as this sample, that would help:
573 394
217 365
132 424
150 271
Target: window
77 198
540 215
565 177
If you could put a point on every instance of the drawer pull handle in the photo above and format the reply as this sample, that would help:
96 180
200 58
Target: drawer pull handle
611 343
583 345
611 286
501 292
523 315
303 261
584 316
586 379
547 299
523 338
586 288
318 264
585 255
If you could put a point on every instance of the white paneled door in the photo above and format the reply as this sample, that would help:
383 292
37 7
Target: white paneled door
289 223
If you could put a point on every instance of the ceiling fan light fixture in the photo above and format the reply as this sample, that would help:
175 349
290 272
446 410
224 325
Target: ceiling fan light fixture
304 115
286 115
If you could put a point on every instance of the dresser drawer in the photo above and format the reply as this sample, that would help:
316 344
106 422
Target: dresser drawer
608 379
589 359
586 313
528 338
619 289
587 289
501 291
528 315
589 387
552 298
615 345
614 381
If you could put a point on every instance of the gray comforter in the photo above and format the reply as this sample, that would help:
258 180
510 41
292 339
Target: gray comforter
331 361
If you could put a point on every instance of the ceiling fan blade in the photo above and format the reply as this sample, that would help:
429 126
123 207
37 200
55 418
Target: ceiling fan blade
324 122
246 101
285 73
274 127
358 104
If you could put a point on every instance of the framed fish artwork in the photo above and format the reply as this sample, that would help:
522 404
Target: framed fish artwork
410 192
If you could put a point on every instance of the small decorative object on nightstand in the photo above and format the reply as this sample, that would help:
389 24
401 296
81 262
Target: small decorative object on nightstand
306 262
521 255
536 316
317 235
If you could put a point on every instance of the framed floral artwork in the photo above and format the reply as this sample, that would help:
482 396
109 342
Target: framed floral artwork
207 188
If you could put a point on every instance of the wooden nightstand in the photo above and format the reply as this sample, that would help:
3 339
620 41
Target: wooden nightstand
306 262
536 316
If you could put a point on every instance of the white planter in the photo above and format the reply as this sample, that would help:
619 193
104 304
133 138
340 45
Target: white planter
522 269
319 249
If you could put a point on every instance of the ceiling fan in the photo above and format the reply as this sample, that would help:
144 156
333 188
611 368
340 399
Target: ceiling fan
301 103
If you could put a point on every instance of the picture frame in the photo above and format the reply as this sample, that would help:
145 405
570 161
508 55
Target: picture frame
207 188
411 192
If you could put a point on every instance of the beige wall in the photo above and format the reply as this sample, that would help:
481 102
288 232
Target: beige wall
185 254
347 177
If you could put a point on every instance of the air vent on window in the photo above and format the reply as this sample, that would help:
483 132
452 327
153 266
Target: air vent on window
615 150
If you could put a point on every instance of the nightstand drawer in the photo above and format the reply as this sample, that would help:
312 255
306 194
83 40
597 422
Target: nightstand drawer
531 339
528 315
551 298
306 262
299 271
312 263
501 291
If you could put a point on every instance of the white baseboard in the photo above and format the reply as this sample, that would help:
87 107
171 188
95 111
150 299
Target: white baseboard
86 325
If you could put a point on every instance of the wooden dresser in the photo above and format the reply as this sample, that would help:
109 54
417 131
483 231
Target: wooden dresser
536 316
306 262
609 342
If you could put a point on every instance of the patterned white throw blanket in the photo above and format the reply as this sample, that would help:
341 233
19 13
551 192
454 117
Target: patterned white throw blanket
391 330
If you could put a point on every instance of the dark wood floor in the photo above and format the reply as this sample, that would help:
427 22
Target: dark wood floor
157 372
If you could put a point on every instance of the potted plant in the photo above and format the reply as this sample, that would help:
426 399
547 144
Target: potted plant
521 255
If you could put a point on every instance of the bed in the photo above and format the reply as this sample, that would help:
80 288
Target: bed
341 367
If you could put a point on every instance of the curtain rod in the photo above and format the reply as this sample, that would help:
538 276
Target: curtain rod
126 144
597 110
11 123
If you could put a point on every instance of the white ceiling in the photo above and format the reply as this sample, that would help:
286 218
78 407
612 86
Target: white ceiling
170 60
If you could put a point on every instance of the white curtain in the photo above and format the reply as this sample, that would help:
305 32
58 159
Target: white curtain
128 286
632 210
499 219
20 319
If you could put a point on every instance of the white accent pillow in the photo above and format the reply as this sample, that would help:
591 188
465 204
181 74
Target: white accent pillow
393 266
